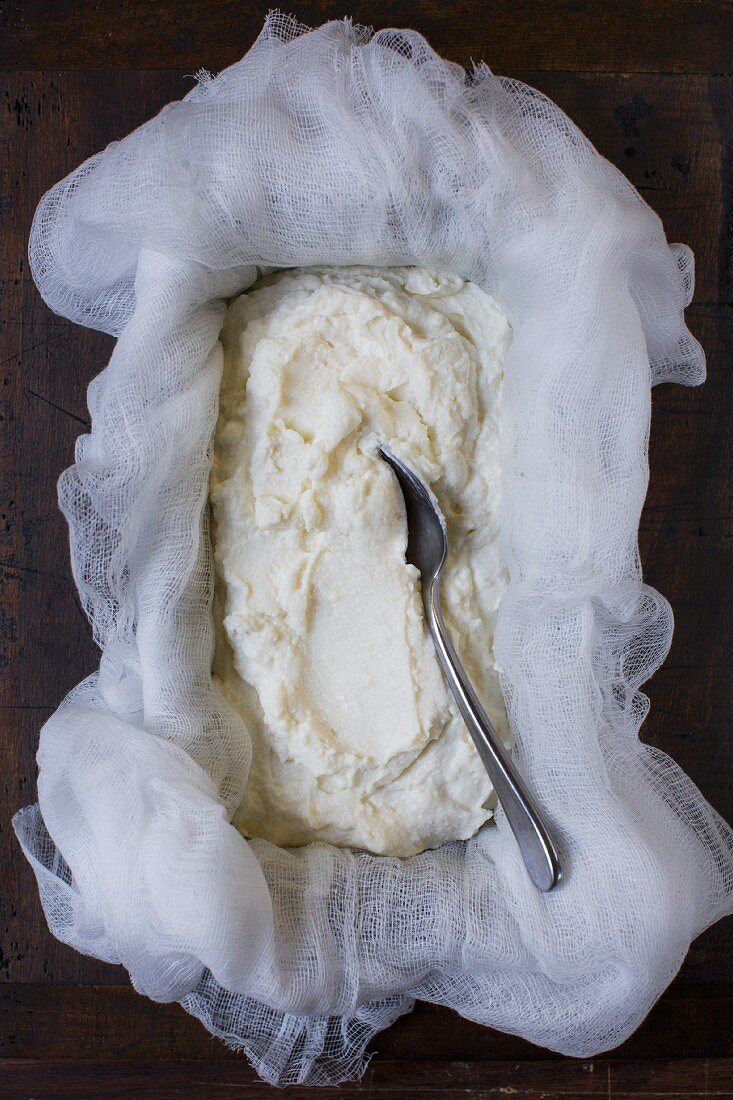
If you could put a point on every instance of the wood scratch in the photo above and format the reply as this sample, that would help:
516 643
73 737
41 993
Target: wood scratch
59 408
670 507
27 706
32 347
37 572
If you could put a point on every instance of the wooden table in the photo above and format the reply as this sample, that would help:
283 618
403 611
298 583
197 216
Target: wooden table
646 80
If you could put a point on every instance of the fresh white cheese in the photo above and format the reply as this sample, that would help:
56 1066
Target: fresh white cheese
321 640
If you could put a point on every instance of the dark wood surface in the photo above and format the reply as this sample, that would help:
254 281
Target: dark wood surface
647 81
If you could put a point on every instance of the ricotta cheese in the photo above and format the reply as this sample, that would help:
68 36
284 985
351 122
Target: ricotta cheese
321 640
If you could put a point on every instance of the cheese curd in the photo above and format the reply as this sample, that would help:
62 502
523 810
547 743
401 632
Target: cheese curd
322 644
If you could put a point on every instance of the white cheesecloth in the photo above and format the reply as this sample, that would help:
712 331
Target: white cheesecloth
342 147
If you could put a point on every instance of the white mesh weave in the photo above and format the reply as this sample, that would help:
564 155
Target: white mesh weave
342 147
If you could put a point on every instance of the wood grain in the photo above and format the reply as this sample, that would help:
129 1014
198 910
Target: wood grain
646 81
679 36
112 1023
686 1079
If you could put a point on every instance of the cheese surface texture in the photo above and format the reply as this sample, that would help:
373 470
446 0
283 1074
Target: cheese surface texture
321 642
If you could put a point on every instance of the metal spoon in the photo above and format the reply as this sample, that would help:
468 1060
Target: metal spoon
427 550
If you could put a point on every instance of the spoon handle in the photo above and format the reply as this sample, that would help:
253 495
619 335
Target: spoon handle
532 835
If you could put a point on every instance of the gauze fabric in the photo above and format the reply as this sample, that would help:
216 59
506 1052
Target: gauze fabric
338 146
